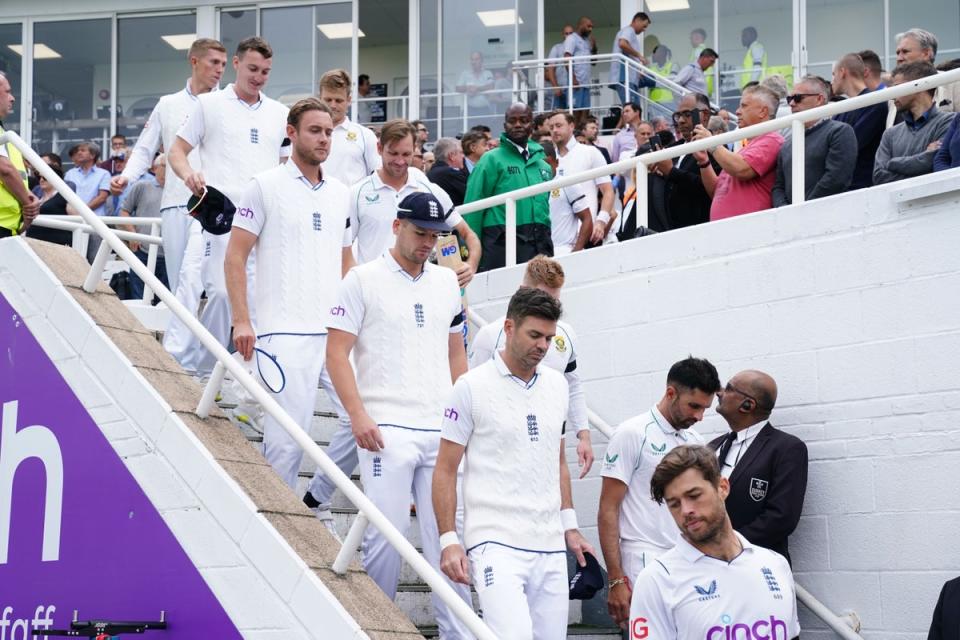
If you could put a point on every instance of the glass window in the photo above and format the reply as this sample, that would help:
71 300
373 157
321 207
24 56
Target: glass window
754 44
290 32
71 84
152 61
11 63
673 40
838 27
942 17
235 25
429 43
333 33
384 55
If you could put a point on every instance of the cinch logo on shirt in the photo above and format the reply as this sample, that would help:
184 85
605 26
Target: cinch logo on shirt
532 429
759 630
254 136
451 414
377 467
772 583
418 315
639 629
707 593
317 222
338 311
245 212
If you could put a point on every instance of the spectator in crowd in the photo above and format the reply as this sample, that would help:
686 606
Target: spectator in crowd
919 45
951 92
516 555
698 39
907 149
872 70
93 185
766 467
52 203
353 148
423 134
473 82
634 530
570 221
143 201
663 65
363 106
540 125
577 45
417 160
688 202
830 149
575 158
755 58
516 163
115 164
946 615
625 81
447 172
948 155
660 123
716 125
556 74
18 207
641 139
868 122
778 84
693 76
591 131
746 182
474 145
756 591
429 159
625 140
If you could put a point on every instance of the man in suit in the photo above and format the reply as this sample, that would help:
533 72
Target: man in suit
447 172
946 617
766 467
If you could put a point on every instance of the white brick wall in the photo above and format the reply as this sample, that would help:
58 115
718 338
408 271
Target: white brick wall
853 304
262 585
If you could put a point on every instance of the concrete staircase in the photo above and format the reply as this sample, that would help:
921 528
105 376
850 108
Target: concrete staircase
413 595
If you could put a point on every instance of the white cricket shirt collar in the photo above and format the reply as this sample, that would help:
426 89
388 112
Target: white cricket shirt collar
504 371
294 172
691 554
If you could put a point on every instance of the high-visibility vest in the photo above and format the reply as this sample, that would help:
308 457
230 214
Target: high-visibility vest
749 67
659 94
10 209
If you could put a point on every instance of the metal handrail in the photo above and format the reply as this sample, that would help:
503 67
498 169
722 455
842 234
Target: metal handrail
56 222
226 362
640 163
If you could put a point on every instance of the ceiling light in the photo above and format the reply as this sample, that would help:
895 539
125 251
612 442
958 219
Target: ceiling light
181 42
501 18
339 30
667 5
40 51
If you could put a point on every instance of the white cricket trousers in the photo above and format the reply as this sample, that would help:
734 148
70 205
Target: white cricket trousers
405 465
343 451
524 595
301 358
187 287
634 557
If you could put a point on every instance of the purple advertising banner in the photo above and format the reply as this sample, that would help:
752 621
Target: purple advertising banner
76 530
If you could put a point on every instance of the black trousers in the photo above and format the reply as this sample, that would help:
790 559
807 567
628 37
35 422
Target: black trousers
5 233
531 242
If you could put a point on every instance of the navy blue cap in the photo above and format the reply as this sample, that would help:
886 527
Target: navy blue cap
587 580
424 210
213 210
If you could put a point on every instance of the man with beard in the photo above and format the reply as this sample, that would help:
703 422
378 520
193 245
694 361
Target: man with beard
518 508
714 583
517 162
634 530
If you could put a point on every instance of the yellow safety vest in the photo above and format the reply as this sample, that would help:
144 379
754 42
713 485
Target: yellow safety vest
10 210
749 68
659 94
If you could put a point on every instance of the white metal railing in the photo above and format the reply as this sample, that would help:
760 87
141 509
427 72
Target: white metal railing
225 362
640 163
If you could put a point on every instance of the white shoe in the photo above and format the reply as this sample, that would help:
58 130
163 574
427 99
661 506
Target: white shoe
250 415
324 515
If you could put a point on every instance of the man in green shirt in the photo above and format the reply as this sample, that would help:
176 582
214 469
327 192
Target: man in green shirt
517 162
18 207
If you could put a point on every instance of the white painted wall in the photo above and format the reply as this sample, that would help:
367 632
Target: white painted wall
852 304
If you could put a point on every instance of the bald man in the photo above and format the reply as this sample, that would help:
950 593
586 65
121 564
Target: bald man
766 467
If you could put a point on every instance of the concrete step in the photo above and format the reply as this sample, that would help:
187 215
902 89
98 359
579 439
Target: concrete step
415 601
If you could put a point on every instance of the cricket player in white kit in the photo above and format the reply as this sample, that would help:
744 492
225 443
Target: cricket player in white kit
634 530
238 132
401 317
182 242
506 418
297 219
713 584
571 222
373 209
547 275
354 148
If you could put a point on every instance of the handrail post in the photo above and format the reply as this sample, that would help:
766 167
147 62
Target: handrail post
510 214
96 269
797 170
570 84
350 544
466 116
151 262
211 390
642 206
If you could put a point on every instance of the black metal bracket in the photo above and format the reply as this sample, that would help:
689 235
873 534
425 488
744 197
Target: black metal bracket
105 628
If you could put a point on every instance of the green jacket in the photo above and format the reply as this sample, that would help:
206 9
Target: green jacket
504 169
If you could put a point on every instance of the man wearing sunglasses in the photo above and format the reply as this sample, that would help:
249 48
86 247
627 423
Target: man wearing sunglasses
830 149
766 468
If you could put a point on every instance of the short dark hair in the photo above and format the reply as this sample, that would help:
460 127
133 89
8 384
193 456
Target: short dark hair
591 118
482 128
675 463
118 136
302 106
871 61
694 373
561 112
471 138
254 43
549 149
363 79
911 71
635 106
528 301
703 101
539 119
709 52
640 15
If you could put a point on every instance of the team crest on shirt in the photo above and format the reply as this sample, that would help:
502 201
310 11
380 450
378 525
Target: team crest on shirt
488 576
377 467
758 489
533 430
351 135
708 592
772 583
555 193
545 174
371 197
560 343
254 136
658 451
317 221
418 315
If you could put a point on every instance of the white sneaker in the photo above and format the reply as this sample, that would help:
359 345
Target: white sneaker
250 415
324 515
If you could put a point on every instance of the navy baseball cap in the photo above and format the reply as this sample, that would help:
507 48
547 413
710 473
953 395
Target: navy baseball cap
213 210
425 211
587 580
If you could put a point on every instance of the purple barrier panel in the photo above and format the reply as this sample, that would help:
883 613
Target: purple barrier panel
76 530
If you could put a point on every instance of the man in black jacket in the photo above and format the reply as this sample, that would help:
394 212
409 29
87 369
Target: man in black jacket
447 171
946 617
686 199
766 467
